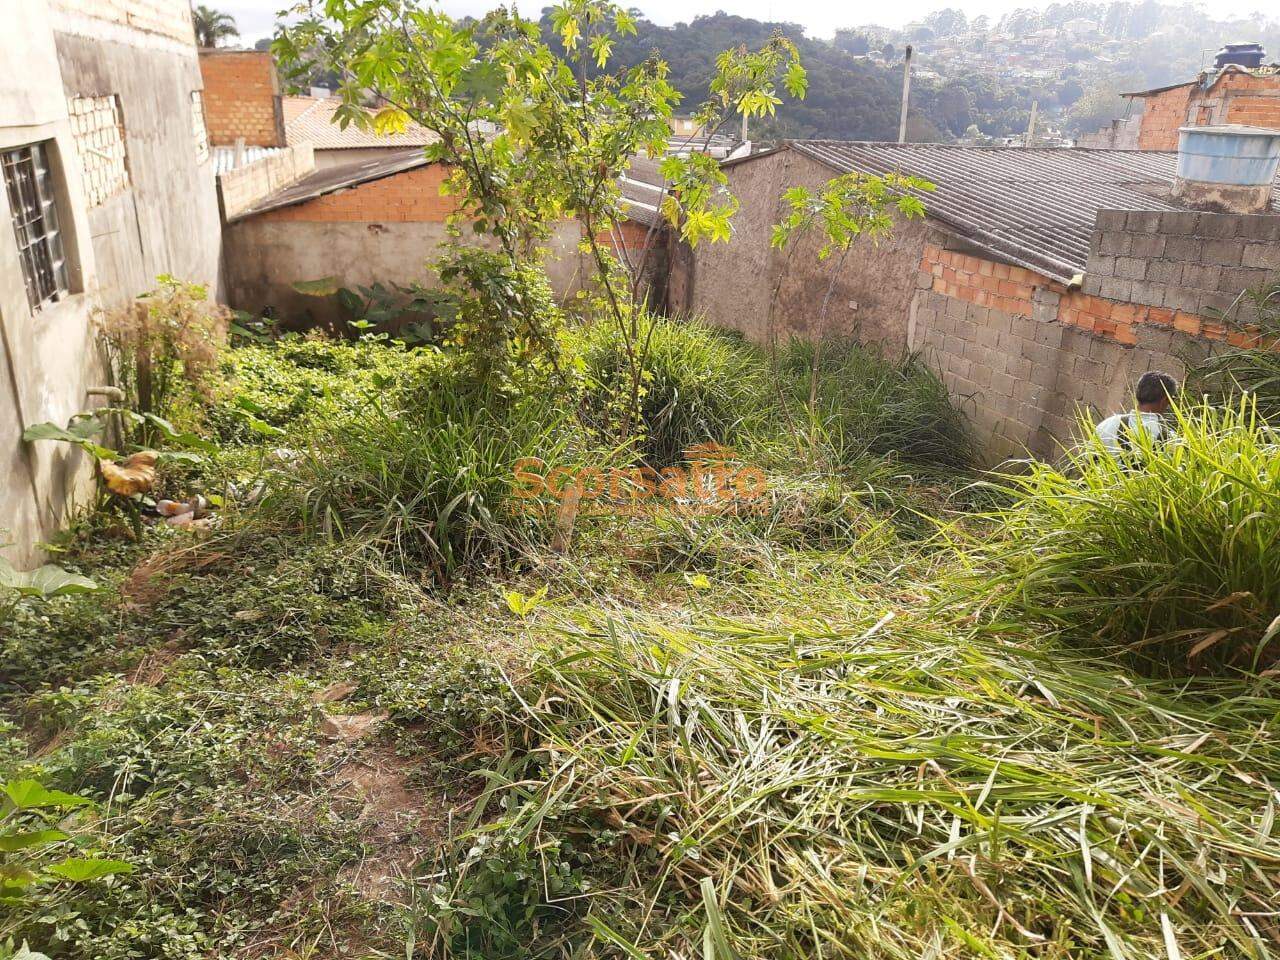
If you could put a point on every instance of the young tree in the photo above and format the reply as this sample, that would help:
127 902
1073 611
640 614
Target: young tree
852 206
212 26
531 139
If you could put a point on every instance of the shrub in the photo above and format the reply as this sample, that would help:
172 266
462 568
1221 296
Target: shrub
304 381
427 479
698 385
1173 557
868 404
170 333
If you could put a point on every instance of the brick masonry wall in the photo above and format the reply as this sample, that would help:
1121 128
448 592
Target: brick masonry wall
1024 354
412 196
99 134
1162 115
1235 97
241 98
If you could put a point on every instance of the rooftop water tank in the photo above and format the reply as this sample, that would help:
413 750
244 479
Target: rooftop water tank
1241 54
1230 168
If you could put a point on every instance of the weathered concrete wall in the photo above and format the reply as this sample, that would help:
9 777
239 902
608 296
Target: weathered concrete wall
240 189
164 220
732 283
265 256
242 98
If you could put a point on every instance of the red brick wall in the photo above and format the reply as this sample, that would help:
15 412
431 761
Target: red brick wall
1253 100
983 282
1163 115
241 98
409 197
1012 289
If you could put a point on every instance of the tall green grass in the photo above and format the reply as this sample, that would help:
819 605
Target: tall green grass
870 405
698 385
1172 555
429 480
890 787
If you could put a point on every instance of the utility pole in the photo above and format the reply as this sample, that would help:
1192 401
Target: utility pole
906 95
744 127
1031 125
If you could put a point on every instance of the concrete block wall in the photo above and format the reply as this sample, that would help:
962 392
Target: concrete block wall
1182 267
242 98
1024 354
1024 378
240 189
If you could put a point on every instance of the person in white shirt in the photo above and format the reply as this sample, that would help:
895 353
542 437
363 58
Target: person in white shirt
1155 393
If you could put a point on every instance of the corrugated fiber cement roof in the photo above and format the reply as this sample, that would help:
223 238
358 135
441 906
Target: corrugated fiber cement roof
1036 207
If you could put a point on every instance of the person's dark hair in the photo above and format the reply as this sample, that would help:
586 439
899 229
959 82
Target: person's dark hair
1156 386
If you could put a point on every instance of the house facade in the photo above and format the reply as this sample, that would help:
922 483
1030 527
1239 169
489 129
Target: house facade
1232 94
1042 282
108 182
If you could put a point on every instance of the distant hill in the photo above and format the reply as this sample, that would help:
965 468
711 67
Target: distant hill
849 98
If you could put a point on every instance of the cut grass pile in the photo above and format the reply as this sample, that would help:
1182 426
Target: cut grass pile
892 786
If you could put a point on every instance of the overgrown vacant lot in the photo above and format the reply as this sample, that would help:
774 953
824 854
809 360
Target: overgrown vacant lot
385 706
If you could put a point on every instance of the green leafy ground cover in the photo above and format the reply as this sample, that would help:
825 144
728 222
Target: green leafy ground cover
373 713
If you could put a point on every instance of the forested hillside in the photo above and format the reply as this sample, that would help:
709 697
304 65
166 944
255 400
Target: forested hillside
848 98
974 75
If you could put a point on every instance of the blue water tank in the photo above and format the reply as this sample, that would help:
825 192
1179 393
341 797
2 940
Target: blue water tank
1241 54
1231 154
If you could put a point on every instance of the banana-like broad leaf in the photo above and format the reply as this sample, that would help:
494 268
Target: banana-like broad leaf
78 433
324 287
45 582
30 795
11 842
80 869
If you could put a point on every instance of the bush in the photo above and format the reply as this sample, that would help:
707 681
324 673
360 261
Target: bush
297 382
868 404
698 386
1173 557
427 478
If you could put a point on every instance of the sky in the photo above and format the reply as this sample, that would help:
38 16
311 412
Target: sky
820 18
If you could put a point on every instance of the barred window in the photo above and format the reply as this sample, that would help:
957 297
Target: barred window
99 135
198 129
29 183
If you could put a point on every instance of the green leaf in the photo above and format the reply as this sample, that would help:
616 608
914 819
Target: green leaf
45 582
78 433
324 287
12 842
521 605
30 795
80 869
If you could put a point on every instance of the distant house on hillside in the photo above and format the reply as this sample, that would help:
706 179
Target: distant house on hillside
1041 279
1233 94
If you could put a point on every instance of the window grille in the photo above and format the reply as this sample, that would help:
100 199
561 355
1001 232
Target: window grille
29 183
